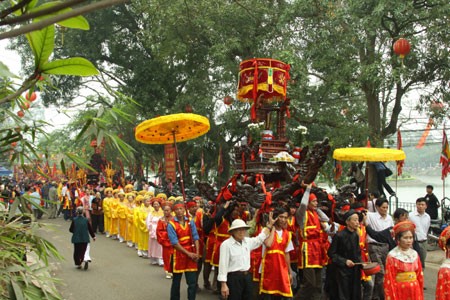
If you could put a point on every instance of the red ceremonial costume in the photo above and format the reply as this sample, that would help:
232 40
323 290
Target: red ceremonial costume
221 235
363 246
163 239
256 256
211 240
443 281
293 227
275 278
313 248
198 220
181 262
403 279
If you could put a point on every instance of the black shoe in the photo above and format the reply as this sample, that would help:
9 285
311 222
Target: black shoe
86 265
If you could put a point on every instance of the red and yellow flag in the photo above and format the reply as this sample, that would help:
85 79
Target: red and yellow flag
445 155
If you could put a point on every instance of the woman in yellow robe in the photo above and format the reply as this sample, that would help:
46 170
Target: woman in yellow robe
130 224
106 205
143 231
114 226
122 215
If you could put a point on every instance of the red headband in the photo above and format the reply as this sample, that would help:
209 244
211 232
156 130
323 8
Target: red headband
178 205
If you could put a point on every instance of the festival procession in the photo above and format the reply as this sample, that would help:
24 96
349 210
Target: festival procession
240 150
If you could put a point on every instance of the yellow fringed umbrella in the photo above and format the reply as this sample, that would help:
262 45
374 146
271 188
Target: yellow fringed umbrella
368 154
172 129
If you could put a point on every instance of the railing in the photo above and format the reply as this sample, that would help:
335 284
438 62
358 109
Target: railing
393 205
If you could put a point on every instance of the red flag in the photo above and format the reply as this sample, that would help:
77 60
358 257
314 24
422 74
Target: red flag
445 155
54 170
400 163
337 170
202 166
424 136
220 162
368 145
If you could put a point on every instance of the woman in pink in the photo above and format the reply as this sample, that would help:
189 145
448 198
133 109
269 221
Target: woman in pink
403 279
443 281
154 248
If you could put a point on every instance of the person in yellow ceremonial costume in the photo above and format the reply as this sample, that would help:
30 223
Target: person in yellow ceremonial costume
128 188
184 239
122 215
130 224
142 213
312 255
276 274
134 214
114 226
107 210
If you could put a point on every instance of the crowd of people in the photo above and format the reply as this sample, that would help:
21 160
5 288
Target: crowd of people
295 251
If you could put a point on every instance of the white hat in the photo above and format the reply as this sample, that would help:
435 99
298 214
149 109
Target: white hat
238 223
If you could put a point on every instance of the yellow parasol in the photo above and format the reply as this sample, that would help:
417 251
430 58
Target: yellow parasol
172 129
368 154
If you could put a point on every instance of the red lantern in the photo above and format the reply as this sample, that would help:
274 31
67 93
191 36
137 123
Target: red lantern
402 47
94 143
228 100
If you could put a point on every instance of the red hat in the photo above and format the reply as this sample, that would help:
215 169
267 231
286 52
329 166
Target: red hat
312 197
404 226
190 204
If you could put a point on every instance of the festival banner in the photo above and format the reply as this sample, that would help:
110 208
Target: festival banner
169 160
445 155
425 134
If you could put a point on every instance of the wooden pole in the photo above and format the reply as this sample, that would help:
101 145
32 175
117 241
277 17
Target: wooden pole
179 166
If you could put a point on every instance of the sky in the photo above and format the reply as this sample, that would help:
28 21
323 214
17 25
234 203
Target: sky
51 114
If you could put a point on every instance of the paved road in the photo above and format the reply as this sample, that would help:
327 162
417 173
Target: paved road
116 272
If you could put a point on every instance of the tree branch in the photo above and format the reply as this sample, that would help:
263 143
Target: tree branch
18 6
42 12
47 22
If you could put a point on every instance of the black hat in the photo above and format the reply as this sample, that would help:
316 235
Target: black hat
349 213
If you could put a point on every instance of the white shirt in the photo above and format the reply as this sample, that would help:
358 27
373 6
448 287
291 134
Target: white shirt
378 223
235 256
422 222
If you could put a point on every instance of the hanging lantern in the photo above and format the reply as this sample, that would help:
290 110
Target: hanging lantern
402 47
188 108
228 100
93 143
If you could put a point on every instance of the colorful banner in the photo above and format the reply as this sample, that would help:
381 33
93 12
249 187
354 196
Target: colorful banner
169 161
445 155
425 134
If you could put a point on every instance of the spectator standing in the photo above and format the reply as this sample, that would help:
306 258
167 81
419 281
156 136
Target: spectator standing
97 213
54 200
379 220
432 203
35 199
422 221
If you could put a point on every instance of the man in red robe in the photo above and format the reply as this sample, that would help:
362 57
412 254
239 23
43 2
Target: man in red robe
312 253
184 239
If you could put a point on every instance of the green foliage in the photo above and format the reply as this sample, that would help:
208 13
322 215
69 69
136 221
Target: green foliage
19 280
